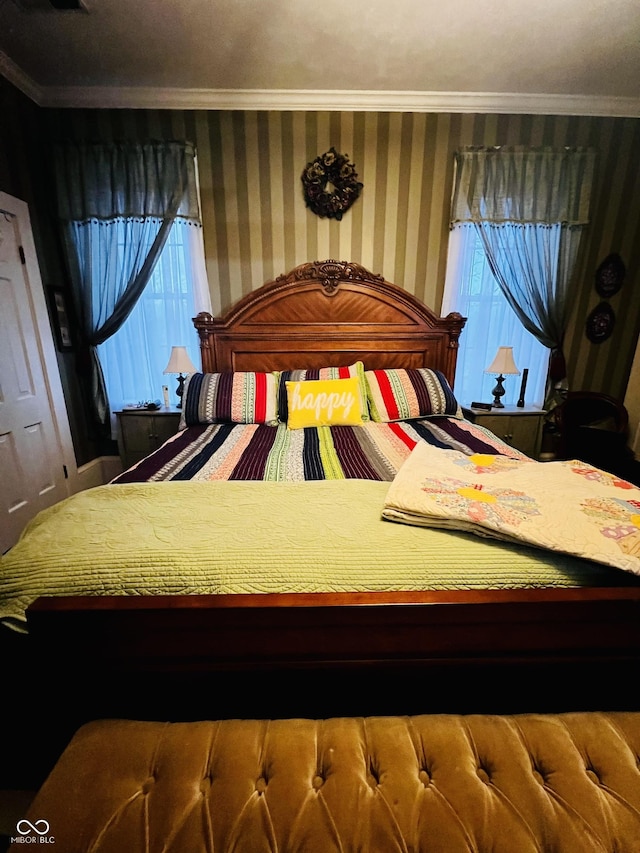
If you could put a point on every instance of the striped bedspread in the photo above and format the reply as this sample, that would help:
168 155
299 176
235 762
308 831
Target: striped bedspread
373 451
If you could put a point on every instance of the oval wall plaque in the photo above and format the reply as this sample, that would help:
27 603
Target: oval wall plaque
600 323
610 275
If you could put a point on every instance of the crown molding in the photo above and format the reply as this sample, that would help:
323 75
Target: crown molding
340 100
14 74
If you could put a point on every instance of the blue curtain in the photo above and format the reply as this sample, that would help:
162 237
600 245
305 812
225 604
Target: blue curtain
133 192
530 207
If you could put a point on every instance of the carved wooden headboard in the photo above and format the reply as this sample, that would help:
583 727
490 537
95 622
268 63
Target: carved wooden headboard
328 313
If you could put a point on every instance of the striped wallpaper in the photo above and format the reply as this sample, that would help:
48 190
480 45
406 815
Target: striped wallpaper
256 225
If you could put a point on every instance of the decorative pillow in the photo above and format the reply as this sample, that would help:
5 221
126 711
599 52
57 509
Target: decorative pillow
324 402
402 395
231 397
352 370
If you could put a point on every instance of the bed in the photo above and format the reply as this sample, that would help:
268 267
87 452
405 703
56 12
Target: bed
356 615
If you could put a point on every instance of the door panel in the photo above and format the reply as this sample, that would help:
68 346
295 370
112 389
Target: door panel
34 433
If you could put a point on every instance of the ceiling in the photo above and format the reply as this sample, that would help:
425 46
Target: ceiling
548 56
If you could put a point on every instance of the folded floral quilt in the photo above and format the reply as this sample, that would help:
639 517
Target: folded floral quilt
567 507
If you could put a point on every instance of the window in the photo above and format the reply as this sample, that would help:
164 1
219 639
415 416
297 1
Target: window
471 289
134 358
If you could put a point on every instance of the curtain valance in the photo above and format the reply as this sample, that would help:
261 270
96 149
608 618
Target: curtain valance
523 185
126 179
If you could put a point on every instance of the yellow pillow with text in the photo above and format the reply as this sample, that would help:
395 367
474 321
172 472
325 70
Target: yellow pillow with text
324 402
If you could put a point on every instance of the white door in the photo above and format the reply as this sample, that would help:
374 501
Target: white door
37 463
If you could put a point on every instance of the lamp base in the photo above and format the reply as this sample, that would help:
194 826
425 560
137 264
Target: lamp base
498 392
180 390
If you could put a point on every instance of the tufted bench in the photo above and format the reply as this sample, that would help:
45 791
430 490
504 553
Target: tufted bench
564 783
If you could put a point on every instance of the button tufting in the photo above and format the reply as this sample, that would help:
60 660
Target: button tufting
483 775
424 777
318 782
593 776
372 778
537 775
205 785
261 785
148 784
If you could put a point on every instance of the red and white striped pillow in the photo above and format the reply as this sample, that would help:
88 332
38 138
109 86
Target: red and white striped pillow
406 394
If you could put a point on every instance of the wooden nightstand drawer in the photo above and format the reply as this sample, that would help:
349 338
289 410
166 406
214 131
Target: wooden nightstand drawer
140 432
521 428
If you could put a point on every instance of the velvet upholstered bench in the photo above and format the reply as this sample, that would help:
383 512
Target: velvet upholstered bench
558 783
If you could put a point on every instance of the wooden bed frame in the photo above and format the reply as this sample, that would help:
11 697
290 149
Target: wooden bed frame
334 654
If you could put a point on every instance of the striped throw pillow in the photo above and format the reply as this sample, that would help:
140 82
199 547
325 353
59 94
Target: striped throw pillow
402 395
231 397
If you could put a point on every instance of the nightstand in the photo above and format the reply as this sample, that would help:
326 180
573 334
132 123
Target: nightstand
141 431
519 427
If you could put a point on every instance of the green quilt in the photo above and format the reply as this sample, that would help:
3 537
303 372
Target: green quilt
256 537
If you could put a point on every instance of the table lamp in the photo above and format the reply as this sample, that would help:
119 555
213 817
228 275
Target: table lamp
179 362
502 364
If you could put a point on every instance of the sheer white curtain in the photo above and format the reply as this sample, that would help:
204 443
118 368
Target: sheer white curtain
530 207
472 290
133 359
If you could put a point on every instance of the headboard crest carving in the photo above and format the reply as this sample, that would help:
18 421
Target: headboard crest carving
330 273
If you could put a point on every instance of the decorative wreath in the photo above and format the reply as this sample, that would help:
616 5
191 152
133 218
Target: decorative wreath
330 184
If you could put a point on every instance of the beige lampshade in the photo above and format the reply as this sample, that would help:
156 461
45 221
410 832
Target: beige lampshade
503 362
179 362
